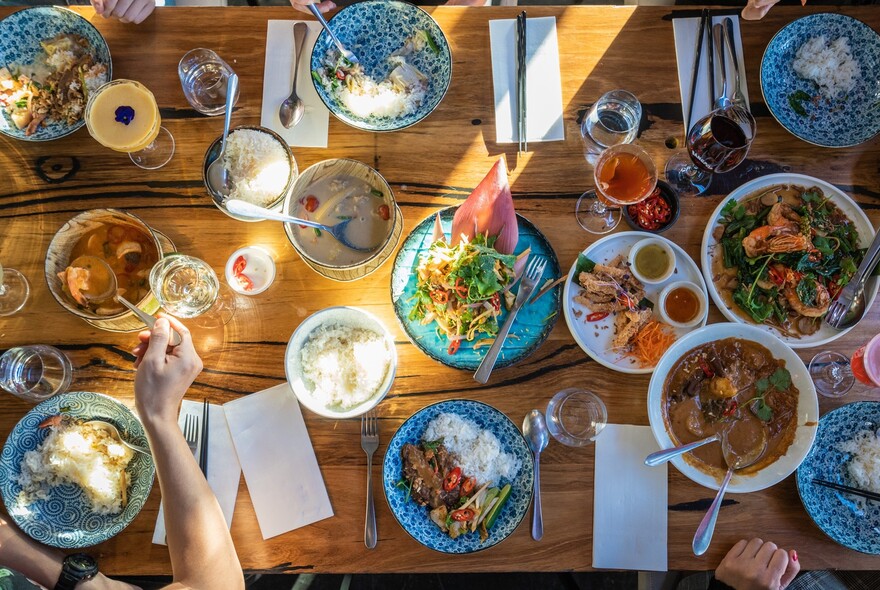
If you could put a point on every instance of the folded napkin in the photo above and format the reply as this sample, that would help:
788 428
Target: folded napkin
543 82
279 464
311 131
224 471
686 31
629 501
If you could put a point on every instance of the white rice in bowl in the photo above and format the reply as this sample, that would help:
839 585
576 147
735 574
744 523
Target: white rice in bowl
81 455
258 165
346 365
829 64
479 452
864 463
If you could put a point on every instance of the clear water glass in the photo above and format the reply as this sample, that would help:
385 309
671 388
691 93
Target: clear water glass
575 417
203 76
612 120
832 374
14 291
35 373
184 285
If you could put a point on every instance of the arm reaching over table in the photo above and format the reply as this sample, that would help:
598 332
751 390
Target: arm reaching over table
303 5
127 11
756 9
756 565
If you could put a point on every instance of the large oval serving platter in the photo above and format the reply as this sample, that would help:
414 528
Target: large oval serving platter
843 202
841 122
65 519
414 518
807 410
20 36
533 322
595 337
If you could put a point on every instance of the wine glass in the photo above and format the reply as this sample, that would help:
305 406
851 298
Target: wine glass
188 287
717 143
612 120
834 374
14 291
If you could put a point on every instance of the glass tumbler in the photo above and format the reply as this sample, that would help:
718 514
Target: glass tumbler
35 373
575 417
203 75
612 120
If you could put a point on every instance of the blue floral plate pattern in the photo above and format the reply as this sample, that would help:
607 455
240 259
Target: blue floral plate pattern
65 518
533 322
836 513
414 518
373 30
20 36
844 121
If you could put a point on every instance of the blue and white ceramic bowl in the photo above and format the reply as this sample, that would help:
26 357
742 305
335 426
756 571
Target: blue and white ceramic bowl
844 121
414 518
533 322
65 518
837 513
20 36
373 30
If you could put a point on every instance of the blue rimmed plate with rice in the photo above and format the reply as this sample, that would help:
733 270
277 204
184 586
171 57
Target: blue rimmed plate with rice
486 445
820 76
404 71
50 58
63 514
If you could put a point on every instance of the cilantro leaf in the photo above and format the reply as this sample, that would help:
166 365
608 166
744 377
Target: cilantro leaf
781 379
762 385
762 410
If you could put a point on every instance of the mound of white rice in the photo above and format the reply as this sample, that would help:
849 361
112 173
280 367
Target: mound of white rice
258 166
864 465
80 455
346 365
828 64
479 451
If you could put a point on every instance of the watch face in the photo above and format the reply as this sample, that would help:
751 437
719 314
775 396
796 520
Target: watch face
83 564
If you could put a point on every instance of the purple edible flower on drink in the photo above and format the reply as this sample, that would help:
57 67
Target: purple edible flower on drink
124 115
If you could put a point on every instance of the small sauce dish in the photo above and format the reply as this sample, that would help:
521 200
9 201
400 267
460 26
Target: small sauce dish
652 261
250 270
682 304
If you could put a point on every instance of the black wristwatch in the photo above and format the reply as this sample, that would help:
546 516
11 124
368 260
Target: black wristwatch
76 568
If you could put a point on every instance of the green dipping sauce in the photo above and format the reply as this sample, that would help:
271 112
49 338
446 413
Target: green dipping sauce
652 261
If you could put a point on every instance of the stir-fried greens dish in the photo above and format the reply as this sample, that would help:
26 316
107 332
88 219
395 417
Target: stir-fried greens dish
785 252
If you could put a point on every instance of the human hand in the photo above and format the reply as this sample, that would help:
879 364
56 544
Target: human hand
466 3
756 9
303 5
163 373
127 11
756 565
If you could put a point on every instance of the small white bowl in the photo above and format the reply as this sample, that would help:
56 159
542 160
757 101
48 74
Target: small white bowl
260 269
693 288
649 242
347 316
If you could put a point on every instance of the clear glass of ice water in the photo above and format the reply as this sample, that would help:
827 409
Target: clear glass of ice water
612 120
575 417
203 75
35 373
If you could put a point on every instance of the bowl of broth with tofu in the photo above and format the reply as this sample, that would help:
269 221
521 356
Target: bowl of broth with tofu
337 191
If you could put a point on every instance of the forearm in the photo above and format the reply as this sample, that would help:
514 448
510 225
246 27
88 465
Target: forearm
202 553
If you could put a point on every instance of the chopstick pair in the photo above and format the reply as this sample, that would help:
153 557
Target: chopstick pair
705 19
521 83
848 489
203 442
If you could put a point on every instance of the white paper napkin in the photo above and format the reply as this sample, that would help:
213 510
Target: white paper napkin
224 471
278 461
311 131
629 503
543 83
686 31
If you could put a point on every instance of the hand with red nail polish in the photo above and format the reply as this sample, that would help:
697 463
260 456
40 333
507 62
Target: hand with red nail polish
756 565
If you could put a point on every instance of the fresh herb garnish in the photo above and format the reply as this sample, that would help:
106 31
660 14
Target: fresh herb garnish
584 264
432 445
377 193
780 380
795 99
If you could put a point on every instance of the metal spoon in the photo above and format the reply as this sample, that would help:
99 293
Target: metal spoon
292 109
738 98
346 53
252 211
114 432
535 431
703 536
218 176
718 32
661 457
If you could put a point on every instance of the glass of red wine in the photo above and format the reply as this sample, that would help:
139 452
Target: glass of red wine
717 143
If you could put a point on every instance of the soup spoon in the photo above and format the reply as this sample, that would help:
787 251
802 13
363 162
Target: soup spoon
661 457
252 211
293 107
114 433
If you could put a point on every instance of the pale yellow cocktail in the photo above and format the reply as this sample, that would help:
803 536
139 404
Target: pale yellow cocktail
123 116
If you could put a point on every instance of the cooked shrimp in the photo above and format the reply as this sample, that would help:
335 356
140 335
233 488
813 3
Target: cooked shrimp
782 214
769 239
76 280
128 248
817 308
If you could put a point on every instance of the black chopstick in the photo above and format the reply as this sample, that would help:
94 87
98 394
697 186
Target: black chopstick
525 70
522 144
711 49
203 443
848 489
698 54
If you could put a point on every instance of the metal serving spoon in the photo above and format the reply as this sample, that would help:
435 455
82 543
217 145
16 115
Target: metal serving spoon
252 211
292 109
723 100
661 457
535 431
346 53
218 176
114 432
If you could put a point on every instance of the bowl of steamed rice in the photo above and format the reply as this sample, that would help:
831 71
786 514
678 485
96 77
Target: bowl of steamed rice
261 168
340 362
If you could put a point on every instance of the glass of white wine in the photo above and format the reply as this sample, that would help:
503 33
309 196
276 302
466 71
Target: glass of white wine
14 291
188 287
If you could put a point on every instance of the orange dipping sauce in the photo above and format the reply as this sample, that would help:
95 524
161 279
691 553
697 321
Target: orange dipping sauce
682 305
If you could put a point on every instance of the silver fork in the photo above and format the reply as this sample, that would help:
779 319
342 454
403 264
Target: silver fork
191 432
369 443
844 300
527 286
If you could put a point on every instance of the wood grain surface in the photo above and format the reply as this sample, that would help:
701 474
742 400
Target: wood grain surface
434 164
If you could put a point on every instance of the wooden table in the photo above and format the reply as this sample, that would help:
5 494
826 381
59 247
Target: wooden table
434 164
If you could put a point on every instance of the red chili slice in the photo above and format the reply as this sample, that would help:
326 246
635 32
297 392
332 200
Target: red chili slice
452 479
453 347
440 296
706 369
596 316
384 212
340 74
246 283
239 265
463 515
311 203
467 486
460 288
495 301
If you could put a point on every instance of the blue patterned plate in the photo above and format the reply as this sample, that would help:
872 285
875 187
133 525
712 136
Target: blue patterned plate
842 122
835 512
20 36
65 519
373 30
533 322
414 518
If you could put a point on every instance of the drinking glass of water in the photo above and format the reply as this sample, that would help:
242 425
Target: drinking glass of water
612 120
575 417
14 291
203 75
188 287
35 373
